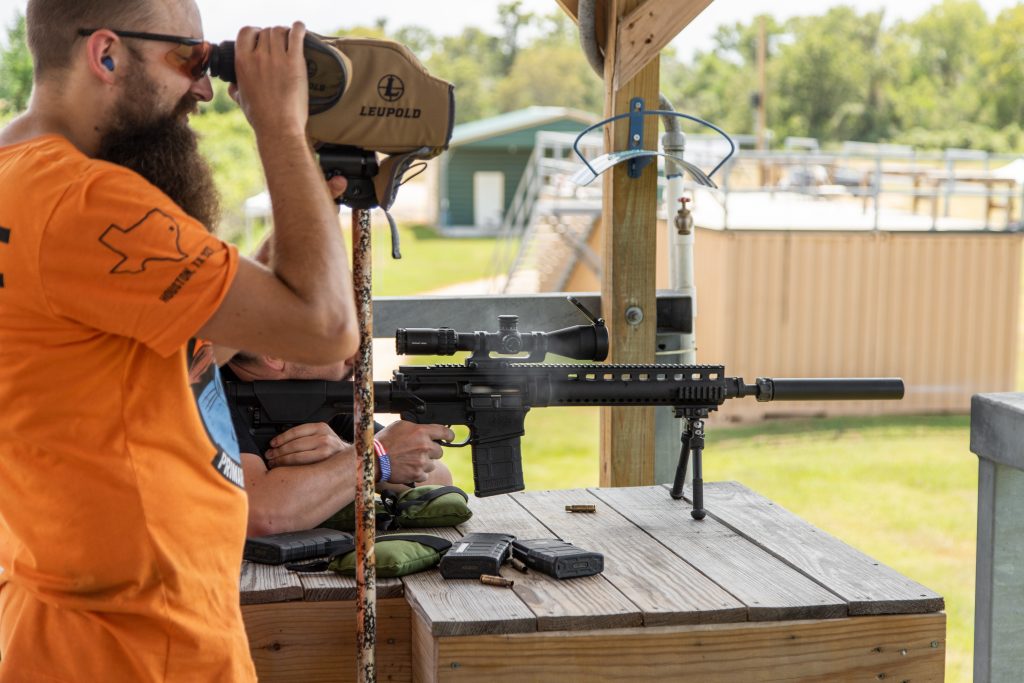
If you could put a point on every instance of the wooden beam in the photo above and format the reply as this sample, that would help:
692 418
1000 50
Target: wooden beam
899 647
629 213
316 641
647 29
570 7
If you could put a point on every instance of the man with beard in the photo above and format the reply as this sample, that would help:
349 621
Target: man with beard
122 513
309 472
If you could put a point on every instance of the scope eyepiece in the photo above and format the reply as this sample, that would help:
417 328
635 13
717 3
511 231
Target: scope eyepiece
426 341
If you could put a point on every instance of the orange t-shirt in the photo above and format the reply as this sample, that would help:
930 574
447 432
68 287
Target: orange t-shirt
122 513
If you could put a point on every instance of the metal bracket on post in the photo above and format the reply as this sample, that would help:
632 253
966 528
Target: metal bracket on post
636 137
635 155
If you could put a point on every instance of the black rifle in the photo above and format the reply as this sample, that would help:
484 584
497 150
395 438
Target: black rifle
491 396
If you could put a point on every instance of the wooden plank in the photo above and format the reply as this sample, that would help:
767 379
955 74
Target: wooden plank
328 585
868 586
584 603
666 588
629 208
466 607
889 648
315 642
771 589
424 651
461 607
261 583
646 30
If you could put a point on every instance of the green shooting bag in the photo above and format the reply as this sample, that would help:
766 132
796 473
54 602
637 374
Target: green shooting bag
398 555
427 506
345 518
418 508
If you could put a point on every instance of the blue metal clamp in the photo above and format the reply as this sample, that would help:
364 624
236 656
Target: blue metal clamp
638 158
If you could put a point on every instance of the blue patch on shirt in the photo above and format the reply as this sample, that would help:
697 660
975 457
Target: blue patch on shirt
213 407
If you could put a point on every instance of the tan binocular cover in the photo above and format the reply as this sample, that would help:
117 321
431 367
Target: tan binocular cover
391 105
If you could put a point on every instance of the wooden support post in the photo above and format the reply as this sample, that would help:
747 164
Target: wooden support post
629 260
366 565
634 32
646 29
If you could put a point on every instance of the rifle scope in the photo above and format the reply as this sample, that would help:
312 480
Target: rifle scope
582 342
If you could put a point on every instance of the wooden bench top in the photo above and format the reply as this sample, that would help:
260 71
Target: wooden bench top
749 560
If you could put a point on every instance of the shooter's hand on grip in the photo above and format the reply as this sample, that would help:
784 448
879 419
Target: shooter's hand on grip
413 449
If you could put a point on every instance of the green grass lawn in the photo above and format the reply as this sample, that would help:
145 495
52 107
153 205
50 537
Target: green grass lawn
901 489
428 261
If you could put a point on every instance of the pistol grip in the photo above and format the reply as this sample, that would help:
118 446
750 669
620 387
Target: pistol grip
497 467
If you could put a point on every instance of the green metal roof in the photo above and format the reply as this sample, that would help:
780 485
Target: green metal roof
515 120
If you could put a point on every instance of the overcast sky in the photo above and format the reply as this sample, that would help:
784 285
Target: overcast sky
222 19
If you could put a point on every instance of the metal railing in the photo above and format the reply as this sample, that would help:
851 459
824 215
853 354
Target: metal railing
545 178
879 175
886 181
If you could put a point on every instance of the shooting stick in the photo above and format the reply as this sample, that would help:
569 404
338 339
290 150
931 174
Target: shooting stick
366 565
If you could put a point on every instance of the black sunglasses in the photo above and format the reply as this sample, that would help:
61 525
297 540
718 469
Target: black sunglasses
191 56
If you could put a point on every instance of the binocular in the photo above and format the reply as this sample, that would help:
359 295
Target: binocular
366 97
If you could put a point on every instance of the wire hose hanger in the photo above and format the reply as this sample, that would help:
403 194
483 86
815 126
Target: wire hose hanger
638 157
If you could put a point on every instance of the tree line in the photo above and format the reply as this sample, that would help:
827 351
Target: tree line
952 77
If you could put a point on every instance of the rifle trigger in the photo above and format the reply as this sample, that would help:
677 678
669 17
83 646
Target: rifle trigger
451 444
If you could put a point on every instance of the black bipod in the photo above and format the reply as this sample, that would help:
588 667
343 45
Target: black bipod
692 442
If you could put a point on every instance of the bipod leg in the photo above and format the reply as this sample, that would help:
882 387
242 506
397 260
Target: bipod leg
684 461
696 428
